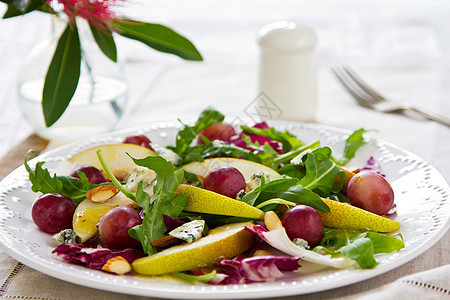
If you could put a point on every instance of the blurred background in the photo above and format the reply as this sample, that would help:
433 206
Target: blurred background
401 47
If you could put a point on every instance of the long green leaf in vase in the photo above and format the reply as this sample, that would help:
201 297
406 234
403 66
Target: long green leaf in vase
14 10
158 37
62 76
105 42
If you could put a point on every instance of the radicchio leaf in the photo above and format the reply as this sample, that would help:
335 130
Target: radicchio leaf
278 239
373 165
261 140
254 269
171 222
93 258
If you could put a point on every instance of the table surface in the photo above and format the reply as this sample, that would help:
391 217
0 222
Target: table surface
401 49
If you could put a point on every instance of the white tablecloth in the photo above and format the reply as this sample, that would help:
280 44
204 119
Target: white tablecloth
401 48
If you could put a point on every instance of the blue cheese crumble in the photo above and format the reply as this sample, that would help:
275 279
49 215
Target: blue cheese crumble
167 154
138 174
255 180
66 236
189 232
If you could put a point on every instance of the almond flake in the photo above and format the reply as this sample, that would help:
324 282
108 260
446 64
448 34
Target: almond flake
103 193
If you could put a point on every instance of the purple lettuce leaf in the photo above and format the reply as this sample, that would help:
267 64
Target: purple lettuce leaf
261 140
254 269
373 165
172 223
93 258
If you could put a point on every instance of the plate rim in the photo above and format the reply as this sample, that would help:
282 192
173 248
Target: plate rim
231 293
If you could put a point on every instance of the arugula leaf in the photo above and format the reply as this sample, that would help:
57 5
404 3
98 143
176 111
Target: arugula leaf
68 186
287 189
358 245
275 162
219 148
352 144
187 134
266 152
294 171
321 172
167 181
286 138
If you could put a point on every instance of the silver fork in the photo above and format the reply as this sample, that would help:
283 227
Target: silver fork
368 97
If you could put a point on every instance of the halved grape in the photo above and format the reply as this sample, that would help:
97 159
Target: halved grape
370 191
303 222
53 212
114 225
92 173
138 139
227 181
217 131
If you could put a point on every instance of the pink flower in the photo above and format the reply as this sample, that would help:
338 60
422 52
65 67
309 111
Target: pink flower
97 12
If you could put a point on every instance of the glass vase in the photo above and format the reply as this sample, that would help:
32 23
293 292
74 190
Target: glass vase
100 97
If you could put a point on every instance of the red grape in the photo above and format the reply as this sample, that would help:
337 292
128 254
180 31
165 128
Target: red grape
216 131
227 181
53 212
370 191
92 173
139 139
114 226
303 222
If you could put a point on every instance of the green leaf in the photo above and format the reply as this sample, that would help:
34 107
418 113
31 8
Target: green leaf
362 251
358 245
289 140
321 172
284 158
221 149
385 243
294 171
13 10
167 182
68 186
205 278
287 189
352 144
158 37
105 41
187 135
62 76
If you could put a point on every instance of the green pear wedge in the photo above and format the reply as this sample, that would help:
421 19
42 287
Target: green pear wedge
226 241
203 201
246 167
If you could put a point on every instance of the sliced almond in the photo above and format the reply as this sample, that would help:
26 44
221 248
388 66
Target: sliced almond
117 265
103 193
272 221
166 241
201 179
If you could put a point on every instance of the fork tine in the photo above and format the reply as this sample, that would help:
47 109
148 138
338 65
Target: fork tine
345 83
363 85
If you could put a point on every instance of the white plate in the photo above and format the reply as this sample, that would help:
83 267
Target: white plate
422 197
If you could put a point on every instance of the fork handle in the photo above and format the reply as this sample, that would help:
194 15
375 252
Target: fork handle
431 116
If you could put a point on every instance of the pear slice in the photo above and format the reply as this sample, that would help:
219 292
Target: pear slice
344 215
246 167
204 201
115 156
88 214
226 241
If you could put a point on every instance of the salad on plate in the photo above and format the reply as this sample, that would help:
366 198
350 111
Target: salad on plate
220 205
